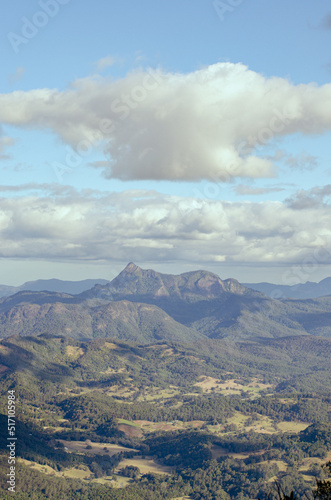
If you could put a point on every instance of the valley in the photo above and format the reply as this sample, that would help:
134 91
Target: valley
119 398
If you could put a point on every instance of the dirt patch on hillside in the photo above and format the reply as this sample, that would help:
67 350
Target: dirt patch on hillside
74 352
218 451
94 448
4 349
145 465
207 383
111 345
148 426
130 431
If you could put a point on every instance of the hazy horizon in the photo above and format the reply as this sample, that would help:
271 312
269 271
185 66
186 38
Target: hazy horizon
277 276
180 137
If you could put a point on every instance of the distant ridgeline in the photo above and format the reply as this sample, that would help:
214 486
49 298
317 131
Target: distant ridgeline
143 305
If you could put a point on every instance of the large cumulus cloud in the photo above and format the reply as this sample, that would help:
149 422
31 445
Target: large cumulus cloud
161 125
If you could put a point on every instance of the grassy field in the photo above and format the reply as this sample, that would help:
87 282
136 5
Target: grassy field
145 465
262 424
74 352
111 371
218 451
114 481
46 469
282 466
309 461
292 426
120 391
80 472
127 422
4 349
111 346
154 393
96 448
182 498
232 386
146 426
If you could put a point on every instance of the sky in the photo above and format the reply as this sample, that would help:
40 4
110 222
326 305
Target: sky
178 135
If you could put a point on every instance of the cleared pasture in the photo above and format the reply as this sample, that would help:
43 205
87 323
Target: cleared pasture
96 448
145 465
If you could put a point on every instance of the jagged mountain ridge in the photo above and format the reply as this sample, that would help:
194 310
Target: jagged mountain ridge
144 305
192 286
298 291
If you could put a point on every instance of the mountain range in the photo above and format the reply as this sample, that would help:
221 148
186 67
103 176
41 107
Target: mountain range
52 285
308 290
144 305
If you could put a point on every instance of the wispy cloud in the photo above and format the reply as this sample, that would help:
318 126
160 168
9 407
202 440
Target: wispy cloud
317 197
105 63
18 75
46 189
326 23
249 190
5 142
302 161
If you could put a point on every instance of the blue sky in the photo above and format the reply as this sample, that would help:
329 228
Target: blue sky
220 159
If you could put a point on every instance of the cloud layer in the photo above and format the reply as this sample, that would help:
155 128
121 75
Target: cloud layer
159 125
57 222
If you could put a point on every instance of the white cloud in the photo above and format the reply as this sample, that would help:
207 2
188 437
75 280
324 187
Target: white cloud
104 63
255 191
18 75
59 223
158 125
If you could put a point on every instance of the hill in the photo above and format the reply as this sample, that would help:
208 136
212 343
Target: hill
28 313
52 285
144 305
47 361
308 290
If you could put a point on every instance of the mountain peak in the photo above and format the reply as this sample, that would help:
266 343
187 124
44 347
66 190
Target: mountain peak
131 268
149 285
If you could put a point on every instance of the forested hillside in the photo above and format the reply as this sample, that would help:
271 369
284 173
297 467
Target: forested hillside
209 419
143 305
